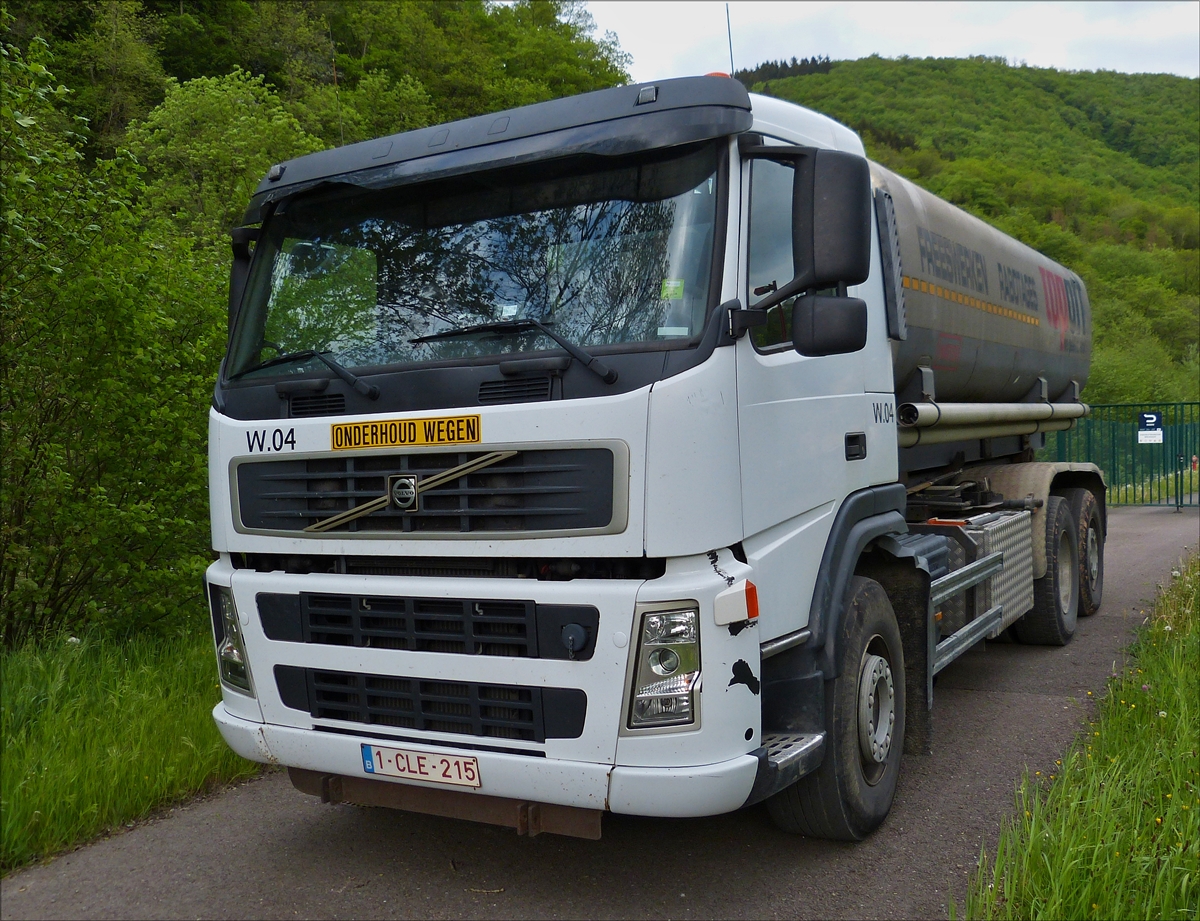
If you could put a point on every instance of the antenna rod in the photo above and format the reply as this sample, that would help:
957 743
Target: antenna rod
729 32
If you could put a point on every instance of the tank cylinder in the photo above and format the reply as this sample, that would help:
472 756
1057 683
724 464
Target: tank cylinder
986 313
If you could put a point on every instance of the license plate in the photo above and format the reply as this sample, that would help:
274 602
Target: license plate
403 433
433 767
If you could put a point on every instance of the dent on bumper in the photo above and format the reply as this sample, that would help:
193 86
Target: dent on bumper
680 792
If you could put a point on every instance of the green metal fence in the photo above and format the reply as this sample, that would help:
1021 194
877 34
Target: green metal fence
1137 473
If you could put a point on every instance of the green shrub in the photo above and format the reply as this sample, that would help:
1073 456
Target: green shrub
107 350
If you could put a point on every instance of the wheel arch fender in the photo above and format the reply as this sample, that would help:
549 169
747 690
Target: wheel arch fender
1091 480
864 517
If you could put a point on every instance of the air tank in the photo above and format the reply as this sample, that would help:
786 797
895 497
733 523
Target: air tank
987 314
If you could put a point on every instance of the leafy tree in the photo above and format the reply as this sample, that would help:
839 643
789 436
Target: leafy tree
114 69
472 57
208 145
377 106
108 341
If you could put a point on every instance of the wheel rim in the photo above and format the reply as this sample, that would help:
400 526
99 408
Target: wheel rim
876 714
1064 574
1093 556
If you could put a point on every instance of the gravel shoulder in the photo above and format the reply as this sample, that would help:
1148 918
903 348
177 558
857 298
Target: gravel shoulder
263 850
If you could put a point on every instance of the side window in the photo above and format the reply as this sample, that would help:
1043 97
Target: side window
770 262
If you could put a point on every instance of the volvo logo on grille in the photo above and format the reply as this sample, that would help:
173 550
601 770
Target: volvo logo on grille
404 492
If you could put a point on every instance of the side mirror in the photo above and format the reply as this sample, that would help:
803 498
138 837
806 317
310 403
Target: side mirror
823 325
831 220
831 216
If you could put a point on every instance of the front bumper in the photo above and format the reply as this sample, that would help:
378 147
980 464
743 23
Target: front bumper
702 790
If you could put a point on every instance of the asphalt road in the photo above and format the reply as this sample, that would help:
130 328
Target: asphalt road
264 850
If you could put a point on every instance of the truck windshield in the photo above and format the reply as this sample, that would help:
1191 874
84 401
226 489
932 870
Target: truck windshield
619 257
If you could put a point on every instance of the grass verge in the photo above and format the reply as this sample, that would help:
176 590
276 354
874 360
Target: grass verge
98 732
1115 832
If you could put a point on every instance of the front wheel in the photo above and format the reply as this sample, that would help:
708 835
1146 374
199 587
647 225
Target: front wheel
850 794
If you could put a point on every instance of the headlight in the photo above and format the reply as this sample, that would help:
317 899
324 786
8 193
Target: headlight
667 670
231 651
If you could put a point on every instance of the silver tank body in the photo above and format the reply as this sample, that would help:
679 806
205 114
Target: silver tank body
988 314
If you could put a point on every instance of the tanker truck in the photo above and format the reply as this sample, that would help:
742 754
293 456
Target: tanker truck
648 452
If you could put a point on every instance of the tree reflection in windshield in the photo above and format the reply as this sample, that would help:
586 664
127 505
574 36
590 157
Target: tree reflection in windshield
620 256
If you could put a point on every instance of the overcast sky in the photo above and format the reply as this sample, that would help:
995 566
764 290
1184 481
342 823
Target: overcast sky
672 39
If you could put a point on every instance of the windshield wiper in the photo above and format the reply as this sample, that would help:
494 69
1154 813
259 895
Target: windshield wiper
593 364
370 391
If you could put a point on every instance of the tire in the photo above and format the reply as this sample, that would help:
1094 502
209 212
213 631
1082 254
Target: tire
1085 509
1055 595
850 794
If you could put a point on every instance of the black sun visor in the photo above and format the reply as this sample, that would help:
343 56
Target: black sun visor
607 123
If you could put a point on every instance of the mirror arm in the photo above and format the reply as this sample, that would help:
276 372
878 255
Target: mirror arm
791 289
741 320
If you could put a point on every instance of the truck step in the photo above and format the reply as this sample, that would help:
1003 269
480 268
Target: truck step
786 749
784 758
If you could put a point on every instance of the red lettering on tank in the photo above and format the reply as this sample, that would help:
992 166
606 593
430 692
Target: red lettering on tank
1057 310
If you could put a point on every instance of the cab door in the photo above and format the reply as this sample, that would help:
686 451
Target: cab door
800 419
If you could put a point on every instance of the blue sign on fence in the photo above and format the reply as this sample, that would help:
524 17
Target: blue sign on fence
1150 428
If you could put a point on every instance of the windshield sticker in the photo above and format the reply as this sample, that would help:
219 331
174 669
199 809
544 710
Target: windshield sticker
672 289
396 433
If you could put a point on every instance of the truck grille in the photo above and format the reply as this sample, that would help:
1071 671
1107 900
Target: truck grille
462 626
487 628
433 705
531 491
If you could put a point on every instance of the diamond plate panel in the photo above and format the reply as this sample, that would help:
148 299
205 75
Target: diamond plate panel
1012 533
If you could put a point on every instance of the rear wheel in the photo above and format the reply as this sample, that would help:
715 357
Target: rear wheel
1085 509
1055 595
850 794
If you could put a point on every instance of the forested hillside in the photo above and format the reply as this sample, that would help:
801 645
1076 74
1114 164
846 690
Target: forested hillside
1100 171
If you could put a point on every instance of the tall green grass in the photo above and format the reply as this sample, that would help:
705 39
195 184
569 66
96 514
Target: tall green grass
99 731
1115 831
1159 487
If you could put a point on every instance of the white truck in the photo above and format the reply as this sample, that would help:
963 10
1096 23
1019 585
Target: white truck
647 451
